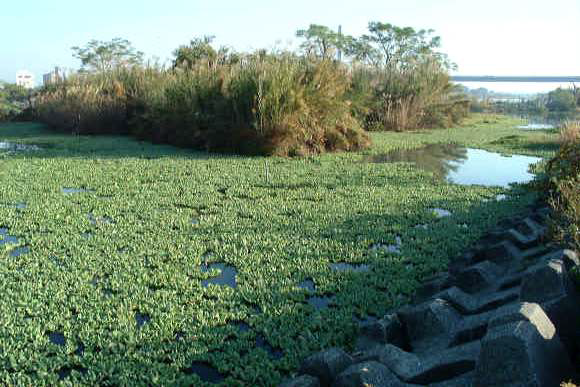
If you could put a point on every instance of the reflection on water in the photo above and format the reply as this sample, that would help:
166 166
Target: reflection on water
465 166
546 121
17 147
436 158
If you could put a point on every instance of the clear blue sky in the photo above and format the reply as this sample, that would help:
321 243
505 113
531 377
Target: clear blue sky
496 37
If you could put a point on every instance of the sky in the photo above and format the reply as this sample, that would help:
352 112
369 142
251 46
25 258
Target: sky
491 37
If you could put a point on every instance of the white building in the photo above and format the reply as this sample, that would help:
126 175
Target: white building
25 79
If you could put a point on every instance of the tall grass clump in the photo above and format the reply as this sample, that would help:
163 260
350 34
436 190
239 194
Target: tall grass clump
409 97
257 104
569 132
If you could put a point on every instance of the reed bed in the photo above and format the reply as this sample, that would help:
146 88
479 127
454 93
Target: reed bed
271 104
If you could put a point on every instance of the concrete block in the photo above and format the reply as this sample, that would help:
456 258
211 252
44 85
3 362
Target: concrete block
432 286
302 381
389 329
477 277
326 365
549 285
429 368
370 373
468 304
499 253
430 325
516 354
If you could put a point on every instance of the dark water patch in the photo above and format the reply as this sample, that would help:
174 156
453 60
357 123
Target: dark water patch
465 166
273 353
440 212
64 372
307 284
57 338
320 303
392 248
255 308
363 320
205 372
354 267
194 222
141 319
241 326
108 292
87 235
69 190
227 276
17 252
56 261
155 288
6 239
19 206
179 335
99 219
80 351
12 146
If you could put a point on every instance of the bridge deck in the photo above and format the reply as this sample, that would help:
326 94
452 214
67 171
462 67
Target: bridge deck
491 78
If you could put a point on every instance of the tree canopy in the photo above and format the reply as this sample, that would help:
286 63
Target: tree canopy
384 45
320 41
101 56
201 50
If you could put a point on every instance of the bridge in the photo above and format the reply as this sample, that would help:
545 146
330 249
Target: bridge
493 78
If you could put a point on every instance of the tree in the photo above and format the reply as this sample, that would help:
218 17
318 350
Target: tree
201 50
320 41
103 56
13 99
198 49
561 100
398 46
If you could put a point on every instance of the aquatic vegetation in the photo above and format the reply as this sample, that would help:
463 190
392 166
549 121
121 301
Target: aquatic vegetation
111 287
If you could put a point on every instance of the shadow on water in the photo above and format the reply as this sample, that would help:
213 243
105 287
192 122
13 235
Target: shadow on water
465 166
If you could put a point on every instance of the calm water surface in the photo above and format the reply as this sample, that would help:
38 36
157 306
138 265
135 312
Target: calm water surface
465 166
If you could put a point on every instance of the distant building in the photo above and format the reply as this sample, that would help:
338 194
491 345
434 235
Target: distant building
25 79
54 77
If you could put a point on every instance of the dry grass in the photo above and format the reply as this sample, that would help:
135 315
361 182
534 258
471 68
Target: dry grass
570 132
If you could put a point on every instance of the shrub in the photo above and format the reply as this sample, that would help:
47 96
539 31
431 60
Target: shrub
261 104
418 96
562 185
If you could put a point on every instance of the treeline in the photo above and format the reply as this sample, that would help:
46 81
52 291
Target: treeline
278 102
560 100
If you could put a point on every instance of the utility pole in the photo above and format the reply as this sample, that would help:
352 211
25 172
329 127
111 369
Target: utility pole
339 42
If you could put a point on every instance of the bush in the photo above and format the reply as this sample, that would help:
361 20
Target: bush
418 96
263 104
562 185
